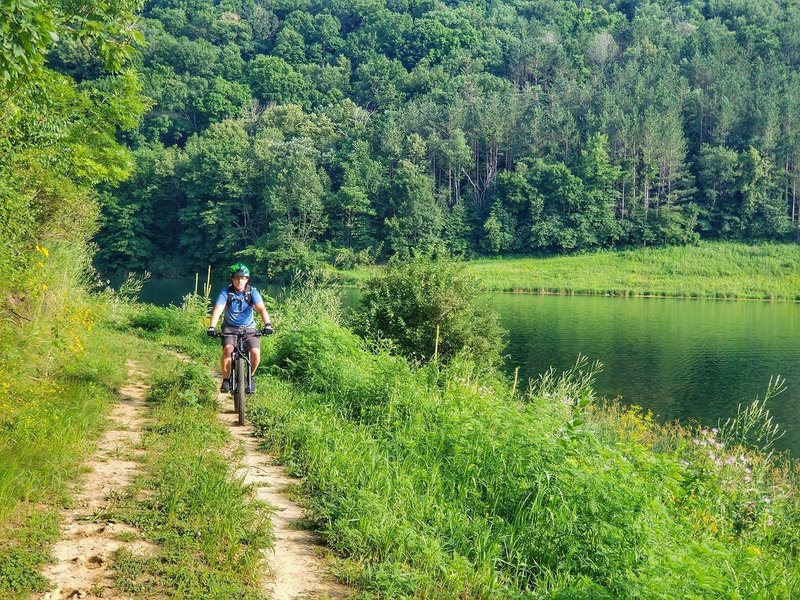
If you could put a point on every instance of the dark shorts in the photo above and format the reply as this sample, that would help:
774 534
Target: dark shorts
229 337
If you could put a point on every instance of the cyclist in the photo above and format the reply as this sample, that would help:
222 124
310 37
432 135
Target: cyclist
237 302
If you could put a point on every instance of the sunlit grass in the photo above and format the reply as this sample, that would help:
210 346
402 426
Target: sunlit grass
717 270
48 429
709 270
441 483
445 483
211 532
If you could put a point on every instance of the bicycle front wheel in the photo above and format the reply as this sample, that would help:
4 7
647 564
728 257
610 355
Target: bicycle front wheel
241 388
233 382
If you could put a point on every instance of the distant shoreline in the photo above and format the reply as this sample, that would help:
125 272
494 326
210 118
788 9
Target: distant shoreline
708 271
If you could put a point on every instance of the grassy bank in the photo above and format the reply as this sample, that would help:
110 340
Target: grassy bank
49 422
709 270
442 483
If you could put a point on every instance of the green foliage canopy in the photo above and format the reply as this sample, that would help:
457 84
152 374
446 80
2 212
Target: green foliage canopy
484 128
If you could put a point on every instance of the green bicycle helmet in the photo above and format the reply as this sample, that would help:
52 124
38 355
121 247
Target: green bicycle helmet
239 269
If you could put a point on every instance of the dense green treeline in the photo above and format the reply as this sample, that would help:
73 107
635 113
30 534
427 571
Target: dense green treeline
289 131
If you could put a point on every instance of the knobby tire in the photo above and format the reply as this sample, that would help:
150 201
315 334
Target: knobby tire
234 380
241 388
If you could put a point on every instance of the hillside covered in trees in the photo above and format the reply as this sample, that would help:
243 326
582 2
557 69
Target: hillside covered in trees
287 132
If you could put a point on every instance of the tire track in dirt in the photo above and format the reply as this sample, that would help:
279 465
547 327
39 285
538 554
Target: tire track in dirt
89 537
296 560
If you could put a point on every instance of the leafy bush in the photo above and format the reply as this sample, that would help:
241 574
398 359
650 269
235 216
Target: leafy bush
305 352
329 358
429 307
157 319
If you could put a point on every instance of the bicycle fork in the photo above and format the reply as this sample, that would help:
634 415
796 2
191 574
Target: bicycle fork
248 375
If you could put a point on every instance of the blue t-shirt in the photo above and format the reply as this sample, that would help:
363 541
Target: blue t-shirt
239 313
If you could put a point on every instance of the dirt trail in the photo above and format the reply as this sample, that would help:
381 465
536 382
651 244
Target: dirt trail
88 537
296 562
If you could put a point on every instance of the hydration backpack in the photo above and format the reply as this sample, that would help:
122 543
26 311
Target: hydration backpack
248 295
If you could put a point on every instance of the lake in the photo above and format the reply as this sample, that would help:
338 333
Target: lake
681 359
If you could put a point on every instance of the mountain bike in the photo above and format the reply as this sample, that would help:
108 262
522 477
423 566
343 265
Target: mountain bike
241 378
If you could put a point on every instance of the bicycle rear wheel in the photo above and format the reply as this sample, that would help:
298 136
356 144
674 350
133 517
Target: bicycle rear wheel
241 388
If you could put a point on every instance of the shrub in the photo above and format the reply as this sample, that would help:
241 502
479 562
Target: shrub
410 300
156 319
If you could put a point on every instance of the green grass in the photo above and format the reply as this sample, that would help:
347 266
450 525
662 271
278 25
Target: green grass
49 423
177 328
189 500
439 484
709 270
24 549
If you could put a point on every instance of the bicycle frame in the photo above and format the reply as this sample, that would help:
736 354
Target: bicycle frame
240 360
240 353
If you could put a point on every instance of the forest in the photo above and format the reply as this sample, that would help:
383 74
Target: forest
288 133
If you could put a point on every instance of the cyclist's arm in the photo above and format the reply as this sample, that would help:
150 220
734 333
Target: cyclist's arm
216 314
262 311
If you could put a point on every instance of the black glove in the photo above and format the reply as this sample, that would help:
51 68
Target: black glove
267 329
211 332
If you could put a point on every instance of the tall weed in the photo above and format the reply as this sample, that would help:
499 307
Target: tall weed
753 426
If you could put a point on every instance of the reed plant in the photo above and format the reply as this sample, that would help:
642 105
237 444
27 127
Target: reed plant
753 426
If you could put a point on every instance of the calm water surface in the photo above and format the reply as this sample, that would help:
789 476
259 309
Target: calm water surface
681 359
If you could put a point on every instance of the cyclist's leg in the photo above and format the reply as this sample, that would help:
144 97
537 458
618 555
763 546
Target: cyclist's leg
255 359
253 346
225 367
228 342
225 361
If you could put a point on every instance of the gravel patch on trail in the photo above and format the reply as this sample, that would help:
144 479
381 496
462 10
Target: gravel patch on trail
88 538
296 560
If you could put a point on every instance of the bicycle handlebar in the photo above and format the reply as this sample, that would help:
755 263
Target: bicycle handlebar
241 332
